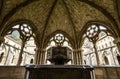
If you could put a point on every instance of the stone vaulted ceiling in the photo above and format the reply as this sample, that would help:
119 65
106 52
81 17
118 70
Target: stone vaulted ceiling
49 16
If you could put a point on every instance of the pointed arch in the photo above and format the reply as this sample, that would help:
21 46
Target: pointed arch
26 30
54 33
106 25
99 34
21 21
106 60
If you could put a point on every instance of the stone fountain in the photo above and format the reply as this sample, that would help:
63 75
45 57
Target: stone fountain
59 56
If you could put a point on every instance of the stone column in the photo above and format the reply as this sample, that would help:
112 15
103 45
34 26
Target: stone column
6 60
43 56
77 56
20 58
80 56
40 56
96 53
74 58
37 55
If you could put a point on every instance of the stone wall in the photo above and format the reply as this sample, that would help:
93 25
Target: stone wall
107 72
17 72
12 72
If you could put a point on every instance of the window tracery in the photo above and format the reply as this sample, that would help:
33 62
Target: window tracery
99 36
17 45
25 31
59 40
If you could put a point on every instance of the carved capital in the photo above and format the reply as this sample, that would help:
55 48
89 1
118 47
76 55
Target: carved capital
40 50
77 50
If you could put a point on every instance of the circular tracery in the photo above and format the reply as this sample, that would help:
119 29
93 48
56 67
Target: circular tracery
59 38
92 31
24 30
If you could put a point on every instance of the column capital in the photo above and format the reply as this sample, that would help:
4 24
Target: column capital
77 50
41 49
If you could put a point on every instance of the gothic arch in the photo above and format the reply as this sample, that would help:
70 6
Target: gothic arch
26 29
8 27
106 60
20 21
58 31
106 25
94 35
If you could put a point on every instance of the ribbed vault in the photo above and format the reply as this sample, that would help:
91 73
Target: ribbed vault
69 16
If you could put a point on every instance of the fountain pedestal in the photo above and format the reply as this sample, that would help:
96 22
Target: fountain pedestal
58 72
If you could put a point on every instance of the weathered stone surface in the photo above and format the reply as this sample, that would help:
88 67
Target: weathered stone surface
69 16
107 72
12 72
17 72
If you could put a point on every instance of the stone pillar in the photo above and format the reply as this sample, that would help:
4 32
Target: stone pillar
74 57
96 53
43 56
37 53
77 56
40 56
6 60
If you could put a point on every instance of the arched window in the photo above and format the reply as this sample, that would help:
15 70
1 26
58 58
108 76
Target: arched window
106 60
58 40
97 39
31 61
19 44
